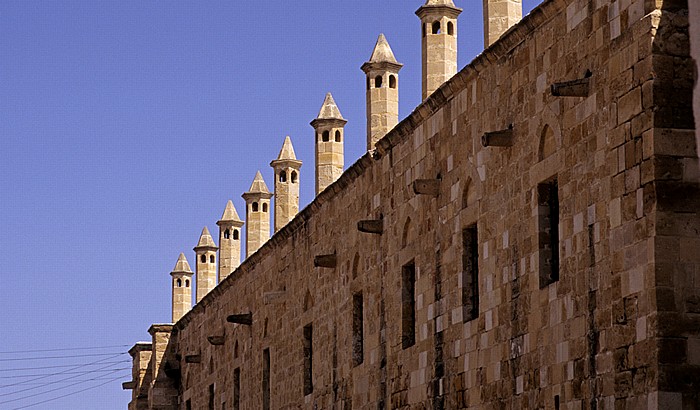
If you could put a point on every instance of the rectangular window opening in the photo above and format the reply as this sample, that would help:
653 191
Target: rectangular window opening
470 273
308 359
237 388
188 404
211 397
408 305
357 329
266 379
548 231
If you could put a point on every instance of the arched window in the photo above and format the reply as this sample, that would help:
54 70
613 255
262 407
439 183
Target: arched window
187 283
283 176
227 234
294 177
450 28
179 283
264 207
235 234
326 136
392 81
436 27
337 136
378 81
255 207
203 258
211 259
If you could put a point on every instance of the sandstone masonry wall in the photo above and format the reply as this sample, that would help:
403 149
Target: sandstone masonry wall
619 329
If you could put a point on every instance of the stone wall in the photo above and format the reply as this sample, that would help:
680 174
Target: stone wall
617 326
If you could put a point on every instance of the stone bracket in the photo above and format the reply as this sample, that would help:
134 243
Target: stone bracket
242 319
216 340
375 226
193 358
129 385
502 138
573 88
326 261
426 187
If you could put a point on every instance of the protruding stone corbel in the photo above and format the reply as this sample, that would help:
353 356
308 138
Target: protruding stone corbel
573 88
326 261
129 385
375 226
193 358
216 340
502 138
426 187
172 371
242 319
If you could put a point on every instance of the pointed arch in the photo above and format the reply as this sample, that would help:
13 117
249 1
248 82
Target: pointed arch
450 28
436 27
355 265
308 301
548 144
407 235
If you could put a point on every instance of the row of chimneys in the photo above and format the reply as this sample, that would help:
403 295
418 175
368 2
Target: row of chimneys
439 60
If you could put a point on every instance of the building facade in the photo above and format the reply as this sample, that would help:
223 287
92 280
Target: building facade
527 238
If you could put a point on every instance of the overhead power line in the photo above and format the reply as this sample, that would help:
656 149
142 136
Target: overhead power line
65 349
58 366
16 359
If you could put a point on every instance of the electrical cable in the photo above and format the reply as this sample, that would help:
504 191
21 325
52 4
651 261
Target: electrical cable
65 349
56 366
16 359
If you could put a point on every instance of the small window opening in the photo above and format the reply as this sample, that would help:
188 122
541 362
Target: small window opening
203 258
264 206
556 402
188 404
337 136
211 397
408 305
548 227
357 329
450 28
255 207
236 234
308 359
436 27
392 81
470 273
295 176
212 259
227 234
326 136
283 176
378 81
187 283
237 388
266 379
179 283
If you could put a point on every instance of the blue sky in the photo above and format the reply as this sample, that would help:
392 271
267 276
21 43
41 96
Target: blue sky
125 126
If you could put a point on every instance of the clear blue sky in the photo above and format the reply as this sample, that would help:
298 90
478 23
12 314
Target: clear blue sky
125 126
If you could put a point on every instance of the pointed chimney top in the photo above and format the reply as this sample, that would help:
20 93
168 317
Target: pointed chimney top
230 214
329 109
382 51
258 185
287 151
440 3
182 266
205 240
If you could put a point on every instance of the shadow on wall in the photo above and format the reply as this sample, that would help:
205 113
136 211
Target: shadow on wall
694 19
673 89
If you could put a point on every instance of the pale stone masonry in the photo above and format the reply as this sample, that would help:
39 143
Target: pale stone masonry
182 288
287 172
329 127
439 43
382 71
499 16
230 226
257 220
527 238
206 264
